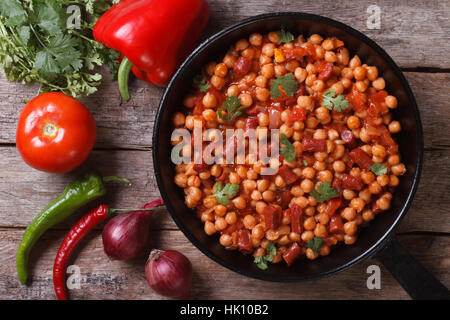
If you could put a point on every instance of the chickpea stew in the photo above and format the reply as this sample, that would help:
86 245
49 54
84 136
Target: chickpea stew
339 164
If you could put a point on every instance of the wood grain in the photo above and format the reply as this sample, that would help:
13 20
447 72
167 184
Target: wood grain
130 125
102 278
26 191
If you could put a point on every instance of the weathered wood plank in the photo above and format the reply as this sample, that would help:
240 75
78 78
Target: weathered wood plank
25 191
130 125
409 31
103 278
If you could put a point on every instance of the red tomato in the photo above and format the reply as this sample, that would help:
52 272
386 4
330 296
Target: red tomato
55 133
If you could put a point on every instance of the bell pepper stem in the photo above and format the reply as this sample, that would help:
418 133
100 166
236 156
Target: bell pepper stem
122 78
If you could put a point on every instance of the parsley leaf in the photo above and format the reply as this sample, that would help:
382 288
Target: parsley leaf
379 169
324 192
287 151
271 251
331 101
314 244
49 18
201 83
230 105
287 82
221 192
285 36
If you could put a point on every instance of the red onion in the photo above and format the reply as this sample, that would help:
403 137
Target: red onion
169 273
126 235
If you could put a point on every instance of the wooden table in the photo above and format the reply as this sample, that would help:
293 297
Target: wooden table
415 34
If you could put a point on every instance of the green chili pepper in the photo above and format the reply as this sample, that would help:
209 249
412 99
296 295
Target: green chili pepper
79 192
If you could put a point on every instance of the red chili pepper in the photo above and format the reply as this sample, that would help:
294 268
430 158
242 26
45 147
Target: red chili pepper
292 253
153 36
76 234
69 244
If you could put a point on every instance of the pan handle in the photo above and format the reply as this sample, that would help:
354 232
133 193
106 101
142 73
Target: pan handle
413 277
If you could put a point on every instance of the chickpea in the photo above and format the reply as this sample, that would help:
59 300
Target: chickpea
181 180
353 122
300 74
383 203
262 94
268 70
226 240
330 57
338 87
393 160
260 205
315 39
398 169
220 209
394 127
229 60
261 81
324 250
361 86
268 50
239 203
273 37
350 228
372 73
249 221
306 185
393 181
379 83
348 240
368 215
383 180
193 181
347 73
256 39
348 213
233 90
367 177
365 194
280 70
320 231
325 175
246 99
343 56
220 224
279 182
217 82
268 196
378 151
210 228
242 44
354 62
357 204
294 237
309 223
310 254
339 166
318 85
359 73
231 217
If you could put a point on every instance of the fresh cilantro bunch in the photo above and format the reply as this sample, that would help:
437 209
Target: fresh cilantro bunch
37 46
261 262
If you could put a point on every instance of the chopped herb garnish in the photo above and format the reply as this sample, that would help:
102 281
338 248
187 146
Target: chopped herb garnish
201 83
305 163
287 82
221 192
331 101
285 36
261 262
314 244
230 105
324 192
379 169
288 151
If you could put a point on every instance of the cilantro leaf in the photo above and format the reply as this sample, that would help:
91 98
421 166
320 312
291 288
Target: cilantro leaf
45 63
287 151
24 34
285 36
305 163
12 8
221 192
331 101
314 244
271 251
201 83
50 18
232 105
287 82
379 169
324 192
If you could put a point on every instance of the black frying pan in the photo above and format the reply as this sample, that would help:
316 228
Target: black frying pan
376 241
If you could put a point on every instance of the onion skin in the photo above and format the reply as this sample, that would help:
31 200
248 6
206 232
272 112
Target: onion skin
126 235
169 273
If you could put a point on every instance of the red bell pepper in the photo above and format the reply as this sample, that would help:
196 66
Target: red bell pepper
153 36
